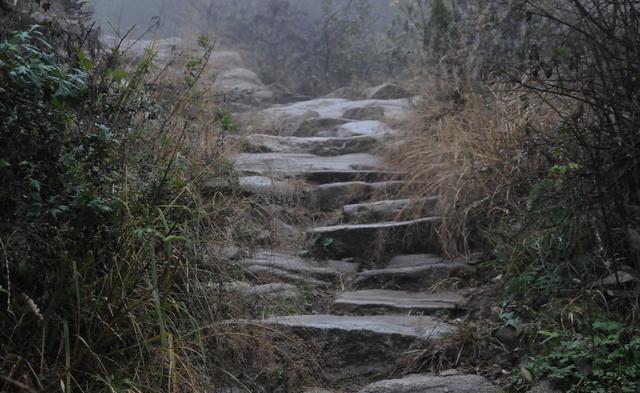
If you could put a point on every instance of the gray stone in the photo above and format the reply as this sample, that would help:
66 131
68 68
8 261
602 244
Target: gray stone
261 143
238 80
389 210
400 301
619 278
295 264
262 185
386 91
224 60
433 384
317 390
414 260
349 93
360 345
409 326
267 274
371 128
364 113
544 387
411 277
364 241
281 231
335 195
311 167
336 107
318 126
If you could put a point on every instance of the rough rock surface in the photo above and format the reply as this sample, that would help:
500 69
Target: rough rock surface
433 384
298 163
398 236
372 128
407 302
362 324
263 185
335 195
387 91
261 143
409 277
388 210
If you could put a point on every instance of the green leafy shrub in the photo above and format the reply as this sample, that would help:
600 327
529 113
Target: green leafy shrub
606 361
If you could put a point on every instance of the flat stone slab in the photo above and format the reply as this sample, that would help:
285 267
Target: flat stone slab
413 327
261 143
267 274
357 346
401 301
332 196
336 107
362 241
371 128
310 166
414 260
433 384
389 210
420 276
262 185
292 263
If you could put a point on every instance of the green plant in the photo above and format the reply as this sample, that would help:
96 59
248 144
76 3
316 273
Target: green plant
94 197
606 360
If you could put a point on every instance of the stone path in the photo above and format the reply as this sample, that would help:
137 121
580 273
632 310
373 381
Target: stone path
389 291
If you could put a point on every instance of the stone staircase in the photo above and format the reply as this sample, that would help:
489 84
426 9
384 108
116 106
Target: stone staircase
377 257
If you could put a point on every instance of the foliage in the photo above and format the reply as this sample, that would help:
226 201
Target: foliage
91 231
607 360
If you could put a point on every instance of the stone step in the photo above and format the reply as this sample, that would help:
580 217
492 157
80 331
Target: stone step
366 242
380 300
356 346
389 210
261 143
326 197
418 271
266 263
266 186
433 384
361 166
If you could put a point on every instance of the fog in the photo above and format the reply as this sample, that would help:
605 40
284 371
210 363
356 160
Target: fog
183 17
306 45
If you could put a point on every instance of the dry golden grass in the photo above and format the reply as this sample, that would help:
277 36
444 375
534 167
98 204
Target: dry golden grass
469 151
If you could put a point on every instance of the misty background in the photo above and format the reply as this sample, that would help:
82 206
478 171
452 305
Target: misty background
308 46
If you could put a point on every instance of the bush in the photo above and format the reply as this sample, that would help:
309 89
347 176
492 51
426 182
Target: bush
608 360
92 237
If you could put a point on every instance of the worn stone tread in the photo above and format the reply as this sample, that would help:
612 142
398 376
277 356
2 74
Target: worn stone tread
321 146
360 240
377 299
418 327
433 384
332 196
410 277
389 209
